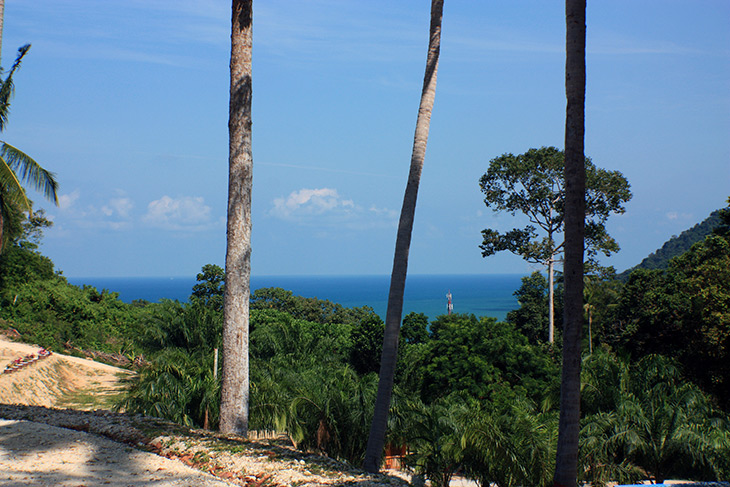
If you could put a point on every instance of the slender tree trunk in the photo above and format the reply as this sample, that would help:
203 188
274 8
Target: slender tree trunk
551 280
376 439
551 300
206 422
235 381
590 331
566 463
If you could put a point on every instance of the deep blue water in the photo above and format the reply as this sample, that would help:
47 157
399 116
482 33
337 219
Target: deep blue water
482 295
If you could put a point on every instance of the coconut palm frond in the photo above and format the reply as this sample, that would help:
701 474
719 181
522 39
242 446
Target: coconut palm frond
11 190
7 87
30 172
17 167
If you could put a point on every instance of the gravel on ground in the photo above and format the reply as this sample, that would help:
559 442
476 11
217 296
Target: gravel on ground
43 441
65 444
41 455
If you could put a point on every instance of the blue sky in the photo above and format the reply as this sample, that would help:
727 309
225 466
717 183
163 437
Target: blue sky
127 101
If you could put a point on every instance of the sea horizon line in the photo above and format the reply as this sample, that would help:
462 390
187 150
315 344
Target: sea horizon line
461 274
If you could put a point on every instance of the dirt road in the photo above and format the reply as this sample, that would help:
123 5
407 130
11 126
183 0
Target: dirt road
32 453
40 455
56 381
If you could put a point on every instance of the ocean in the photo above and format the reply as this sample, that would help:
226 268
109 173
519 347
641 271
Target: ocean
481 295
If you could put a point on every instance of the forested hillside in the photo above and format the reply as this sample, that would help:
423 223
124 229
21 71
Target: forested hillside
677 245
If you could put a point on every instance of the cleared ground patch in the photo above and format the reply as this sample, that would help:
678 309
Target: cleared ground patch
58 381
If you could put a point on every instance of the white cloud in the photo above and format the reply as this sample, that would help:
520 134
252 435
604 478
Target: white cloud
66 201
311 202
383 212
188 213
184 213
677 216
120 206
114 214
324 207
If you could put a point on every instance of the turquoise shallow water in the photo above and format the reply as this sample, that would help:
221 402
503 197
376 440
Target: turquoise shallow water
482 295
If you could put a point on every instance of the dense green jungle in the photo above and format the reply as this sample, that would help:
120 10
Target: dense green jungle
473 396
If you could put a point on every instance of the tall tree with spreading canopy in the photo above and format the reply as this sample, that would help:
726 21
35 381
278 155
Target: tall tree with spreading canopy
235 377
394 312
566 458
533 184
16 167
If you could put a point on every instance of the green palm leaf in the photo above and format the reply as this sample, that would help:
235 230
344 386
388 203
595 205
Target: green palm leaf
16 167
660 426
7 88
12 192
27 170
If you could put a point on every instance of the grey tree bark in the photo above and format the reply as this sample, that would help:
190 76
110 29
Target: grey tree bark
235 374
394 312
566 462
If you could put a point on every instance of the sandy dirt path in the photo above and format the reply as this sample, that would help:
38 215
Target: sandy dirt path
55 381
41 455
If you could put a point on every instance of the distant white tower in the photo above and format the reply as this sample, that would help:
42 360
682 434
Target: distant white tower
449 305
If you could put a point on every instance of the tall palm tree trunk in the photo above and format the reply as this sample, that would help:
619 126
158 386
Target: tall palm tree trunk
566 463
376 439
235 379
